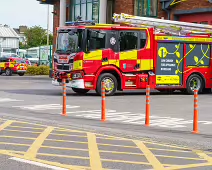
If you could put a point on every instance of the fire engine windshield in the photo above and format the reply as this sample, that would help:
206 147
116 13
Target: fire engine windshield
69 42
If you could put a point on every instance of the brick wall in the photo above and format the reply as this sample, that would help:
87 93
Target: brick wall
190 5
124 6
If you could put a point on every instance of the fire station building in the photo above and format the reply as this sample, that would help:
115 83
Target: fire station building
196 11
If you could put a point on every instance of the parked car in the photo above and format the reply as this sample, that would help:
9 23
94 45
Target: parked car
12 65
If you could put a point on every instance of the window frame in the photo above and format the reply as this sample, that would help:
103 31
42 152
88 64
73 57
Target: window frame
74 4
138 40
139 6
86 40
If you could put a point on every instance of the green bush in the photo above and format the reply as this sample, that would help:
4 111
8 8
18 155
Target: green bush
38 70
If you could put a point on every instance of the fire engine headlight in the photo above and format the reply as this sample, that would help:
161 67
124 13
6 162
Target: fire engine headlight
76 75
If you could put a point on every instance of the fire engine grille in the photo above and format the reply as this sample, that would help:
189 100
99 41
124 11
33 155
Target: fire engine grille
63 67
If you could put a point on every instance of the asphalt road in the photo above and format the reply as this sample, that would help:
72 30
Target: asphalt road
168 142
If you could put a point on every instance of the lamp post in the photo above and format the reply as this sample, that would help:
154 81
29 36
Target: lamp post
48 25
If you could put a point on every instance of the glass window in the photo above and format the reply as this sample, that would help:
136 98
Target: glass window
143 39
87 9
96 39
128 40
146 8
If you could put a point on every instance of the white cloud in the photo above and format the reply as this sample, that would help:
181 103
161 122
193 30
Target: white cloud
25 12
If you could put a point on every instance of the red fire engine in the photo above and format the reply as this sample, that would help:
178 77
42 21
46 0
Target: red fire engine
167 55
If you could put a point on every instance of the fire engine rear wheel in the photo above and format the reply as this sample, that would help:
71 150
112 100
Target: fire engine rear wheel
194 82
110 84
20 74
8 72
80 91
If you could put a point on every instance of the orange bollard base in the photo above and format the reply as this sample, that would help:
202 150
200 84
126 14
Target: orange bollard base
64 114
195 132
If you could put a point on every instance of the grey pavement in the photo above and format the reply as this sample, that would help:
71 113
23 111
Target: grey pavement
171 122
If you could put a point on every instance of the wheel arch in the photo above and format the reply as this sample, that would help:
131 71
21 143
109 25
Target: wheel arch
199 74
110 69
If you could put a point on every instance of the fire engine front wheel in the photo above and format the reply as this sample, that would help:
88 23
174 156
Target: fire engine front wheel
110 84
194 82
8 72
80 91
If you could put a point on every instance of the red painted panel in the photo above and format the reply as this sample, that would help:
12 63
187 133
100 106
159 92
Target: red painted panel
203 17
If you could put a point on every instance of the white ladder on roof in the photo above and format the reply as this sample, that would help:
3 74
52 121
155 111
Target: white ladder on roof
163 26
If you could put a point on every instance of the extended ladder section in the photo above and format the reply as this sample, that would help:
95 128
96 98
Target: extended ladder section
163 26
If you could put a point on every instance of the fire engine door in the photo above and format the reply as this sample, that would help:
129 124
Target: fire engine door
169 64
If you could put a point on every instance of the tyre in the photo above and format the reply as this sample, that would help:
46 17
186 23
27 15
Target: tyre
21 74
80 91
194 82
110 84
8 72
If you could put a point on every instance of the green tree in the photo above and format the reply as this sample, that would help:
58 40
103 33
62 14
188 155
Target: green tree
37 36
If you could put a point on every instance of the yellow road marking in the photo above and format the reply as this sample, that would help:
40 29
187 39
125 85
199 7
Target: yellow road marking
171 146
15 144
177 167
168 150
16 137
128 162
68 141
63 148
6 124
68 130
95 160
140 154
30 123
124 146
23 131
56 134
27 127
64 156
149 155
203 155
32 151
5 152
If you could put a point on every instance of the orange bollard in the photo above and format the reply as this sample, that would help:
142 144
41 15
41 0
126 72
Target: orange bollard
147 122
103 103
195 121
64 98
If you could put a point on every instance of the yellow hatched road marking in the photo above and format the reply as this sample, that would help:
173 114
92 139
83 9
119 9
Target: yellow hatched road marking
23 131
17 137
6 124
179 167
68 141
15 144
27 127
5 152
203 155
63 148
149 155
63 156
57 134
95 160
32 151
140 154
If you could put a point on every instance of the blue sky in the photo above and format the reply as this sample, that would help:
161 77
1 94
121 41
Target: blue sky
25 12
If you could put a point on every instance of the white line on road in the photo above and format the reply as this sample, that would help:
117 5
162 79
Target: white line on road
137 118
37 164
45 107
9 100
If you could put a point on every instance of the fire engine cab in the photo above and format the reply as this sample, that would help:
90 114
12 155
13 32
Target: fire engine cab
135 52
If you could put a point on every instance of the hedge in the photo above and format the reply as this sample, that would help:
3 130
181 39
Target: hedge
38 70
